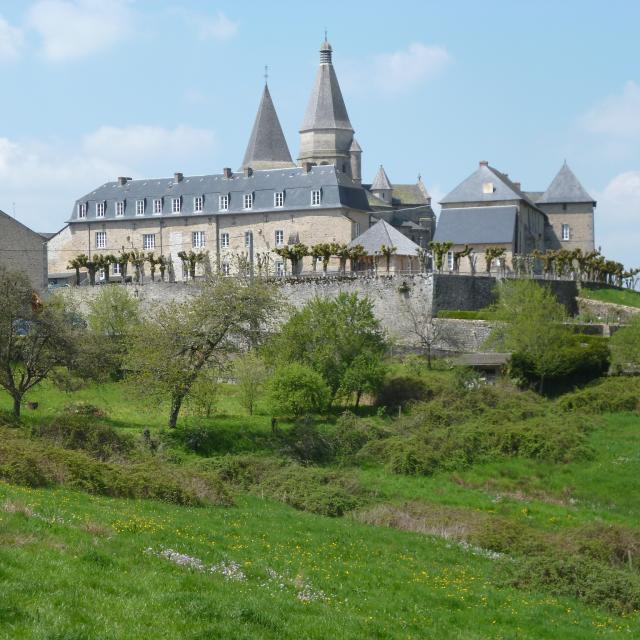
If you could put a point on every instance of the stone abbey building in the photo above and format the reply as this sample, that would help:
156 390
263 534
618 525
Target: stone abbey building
271 201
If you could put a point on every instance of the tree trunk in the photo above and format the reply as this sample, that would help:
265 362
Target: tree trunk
77 276
176 403
17 405
428 357
92 277
107 273
358 396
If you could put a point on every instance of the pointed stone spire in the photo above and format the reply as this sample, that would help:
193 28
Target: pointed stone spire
565 188
381 181
267 148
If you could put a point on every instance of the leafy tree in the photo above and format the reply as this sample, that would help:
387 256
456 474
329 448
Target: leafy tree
122 260
364 375
294 254
190 260
356 253
250 373
491 254
457 255
342 252
35 337
77 263
625 346
137 258
297 390
184 341
387 252
439 250
531 325
328 335
113 313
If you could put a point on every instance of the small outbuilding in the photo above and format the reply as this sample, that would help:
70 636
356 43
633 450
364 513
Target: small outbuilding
387 250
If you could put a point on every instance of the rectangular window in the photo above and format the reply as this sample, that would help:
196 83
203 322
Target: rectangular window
139 207
176 205
450 260
223 203
566 232
197 239
278 199
224 240
279 268
356 229
99 209
115 268
119 209
148 241
82 210
157 207
226 269
198 204
247 238
101 239
279 237
247 201
316 197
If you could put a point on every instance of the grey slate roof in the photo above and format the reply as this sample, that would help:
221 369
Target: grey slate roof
477 225
382 233
326 108
381 181
355 146
267 148
565 187
337 190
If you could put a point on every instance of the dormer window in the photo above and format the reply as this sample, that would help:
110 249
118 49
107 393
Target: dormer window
139 207
316 197
82 209
278 199
487 187
157 206
198 204
247 201
223 203
119 209
176 205
99 209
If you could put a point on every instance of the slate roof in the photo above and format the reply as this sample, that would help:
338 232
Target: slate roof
565 187
12 220
402 195
381 181
267 148
355 146
337 189
326 108
382 233
477 225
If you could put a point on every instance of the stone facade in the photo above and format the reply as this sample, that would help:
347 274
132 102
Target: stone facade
578 217
23 250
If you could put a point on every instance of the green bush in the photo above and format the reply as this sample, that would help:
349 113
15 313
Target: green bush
400 390
297 390
83 409
608 395
306 443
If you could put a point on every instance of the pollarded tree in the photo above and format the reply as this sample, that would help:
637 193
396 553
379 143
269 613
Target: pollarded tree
356 253
76 264
35 336
387 252
186 340
458 255
491 254
439 250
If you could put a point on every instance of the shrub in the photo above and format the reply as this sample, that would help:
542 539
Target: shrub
84 409
297 390
306 443
400 390
609 395
65 381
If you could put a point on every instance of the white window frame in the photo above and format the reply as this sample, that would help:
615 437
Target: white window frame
148 241
247 239
247 201
100 207
226 269
450 260
223 202
279 268
140 207
224 240
278 199
119 208
198 239
316 197
198 204
115 268
176 205
279 237
356 229
157 207
102 242
566 232
82 209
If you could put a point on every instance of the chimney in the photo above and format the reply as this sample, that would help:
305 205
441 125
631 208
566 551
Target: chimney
518 186
122 180
227 172
484 163
307 166
248 172
177 177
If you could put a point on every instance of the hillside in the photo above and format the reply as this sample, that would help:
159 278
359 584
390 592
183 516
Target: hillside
427 547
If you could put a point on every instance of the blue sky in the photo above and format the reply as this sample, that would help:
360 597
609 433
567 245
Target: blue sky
93 89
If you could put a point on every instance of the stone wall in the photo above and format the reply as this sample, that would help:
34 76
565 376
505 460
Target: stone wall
607 312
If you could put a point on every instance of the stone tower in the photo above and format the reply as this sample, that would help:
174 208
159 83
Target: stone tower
326 135
570 210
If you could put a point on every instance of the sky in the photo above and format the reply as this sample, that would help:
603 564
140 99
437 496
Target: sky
94 89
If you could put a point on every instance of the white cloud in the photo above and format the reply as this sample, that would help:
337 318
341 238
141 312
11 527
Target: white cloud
616 115
618 219
220 27
11 40
72 29
404 70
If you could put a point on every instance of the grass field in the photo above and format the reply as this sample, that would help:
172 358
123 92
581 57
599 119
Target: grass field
75 566
616 296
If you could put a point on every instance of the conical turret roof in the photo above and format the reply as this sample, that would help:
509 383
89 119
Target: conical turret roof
326 108
267 148
381 181
565 187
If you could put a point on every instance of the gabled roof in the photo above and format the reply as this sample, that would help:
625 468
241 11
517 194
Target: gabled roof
326 108
382 233
472 189
12 220
381 181
267 148
565 187
477 225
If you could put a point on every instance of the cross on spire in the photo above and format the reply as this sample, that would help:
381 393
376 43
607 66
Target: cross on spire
266 73
325 34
